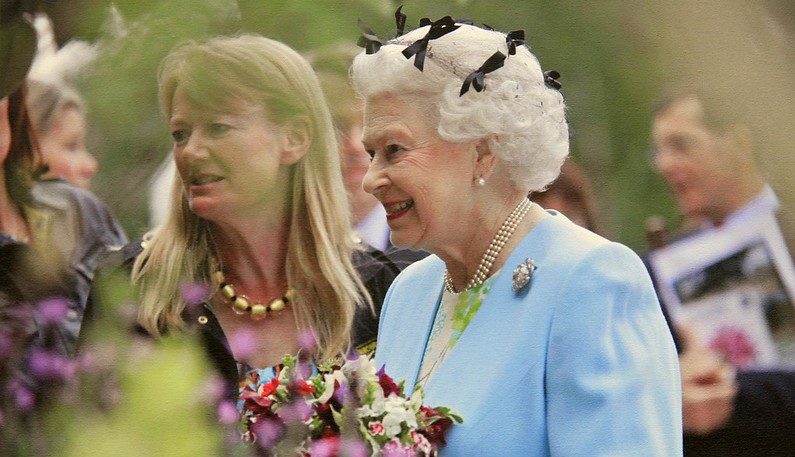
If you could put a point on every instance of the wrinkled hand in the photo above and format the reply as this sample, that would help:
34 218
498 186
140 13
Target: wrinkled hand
708 386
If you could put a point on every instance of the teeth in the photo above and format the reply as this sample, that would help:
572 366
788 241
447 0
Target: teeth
399 206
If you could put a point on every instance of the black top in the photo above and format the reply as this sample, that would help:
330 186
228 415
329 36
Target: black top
72 230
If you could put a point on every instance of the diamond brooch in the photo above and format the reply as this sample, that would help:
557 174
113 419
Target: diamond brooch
522 274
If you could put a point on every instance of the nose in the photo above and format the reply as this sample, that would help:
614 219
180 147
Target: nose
193 150
376 179
664 161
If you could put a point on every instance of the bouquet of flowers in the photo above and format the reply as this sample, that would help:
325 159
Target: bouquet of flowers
347 408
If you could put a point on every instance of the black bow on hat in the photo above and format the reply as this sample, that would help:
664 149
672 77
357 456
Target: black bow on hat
438 29
477 77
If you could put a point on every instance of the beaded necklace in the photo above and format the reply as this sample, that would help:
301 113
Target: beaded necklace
241 304
495 247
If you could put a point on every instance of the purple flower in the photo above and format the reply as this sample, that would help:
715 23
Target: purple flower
325 447
268 432
354 448
227 413
49 366
298 411
194 293
341 392
53 310
307 340
242 343
23 397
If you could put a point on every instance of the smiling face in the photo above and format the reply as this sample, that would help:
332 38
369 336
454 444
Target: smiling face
693 160
64 150
425 183
229 160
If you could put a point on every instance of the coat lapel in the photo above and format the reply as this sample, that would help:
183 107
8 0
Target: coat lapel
410 317
488 343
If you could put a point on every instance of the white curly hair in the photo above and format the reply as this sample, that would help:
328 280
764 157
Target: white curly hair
523 120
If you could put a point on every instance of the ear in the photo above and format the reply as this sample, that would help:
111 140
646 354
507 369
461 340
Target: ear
486 160
296 138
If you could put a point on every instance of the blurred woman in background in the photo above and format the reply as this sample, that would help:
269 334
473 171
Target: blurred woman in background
50 226
58 115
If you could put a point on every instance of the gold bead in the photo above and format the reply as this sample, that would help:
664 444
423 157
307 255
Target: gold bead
258 311
228 291
290 295
240 305
276 305
218 277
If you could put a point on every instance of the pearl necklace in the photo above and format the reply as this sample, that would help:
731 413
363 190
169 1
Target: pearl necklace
497 243
242 305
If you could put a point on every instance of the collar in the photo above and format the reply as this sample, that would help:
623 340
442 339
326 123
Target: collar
766 202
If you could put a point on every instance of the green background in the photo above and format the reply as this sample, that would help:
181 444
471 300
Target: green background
614 56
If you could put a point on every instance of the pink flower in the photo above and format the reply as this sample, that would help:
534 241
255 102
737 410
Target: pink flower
421 443
376 428
733 344
394 448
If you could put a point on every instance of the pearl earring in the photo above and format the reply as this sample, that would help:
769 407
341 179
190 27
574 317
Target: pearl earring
481 182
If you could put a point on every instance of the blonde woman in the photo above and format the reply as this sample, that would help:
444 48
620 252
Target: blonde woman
258 212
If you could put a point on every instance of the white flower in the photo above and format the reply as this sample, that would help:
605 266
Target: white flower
398 412
328 381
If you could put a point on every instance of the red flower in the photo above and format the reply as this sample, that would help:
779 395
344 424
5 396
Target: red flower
437 427
269 388
303 388
387 383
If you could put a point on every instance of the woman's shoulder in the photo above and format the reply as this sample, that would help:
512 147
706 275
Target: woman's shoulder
569 247
93 216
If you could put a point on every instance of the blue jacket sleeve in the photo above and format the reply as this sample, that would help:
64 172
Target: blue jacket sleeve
612 380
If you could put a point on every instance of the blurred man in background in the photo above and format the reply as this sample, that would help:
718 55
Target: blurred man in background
706 158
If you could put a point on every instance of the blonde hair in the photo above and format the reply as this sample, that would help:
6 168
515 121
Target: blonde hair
320 249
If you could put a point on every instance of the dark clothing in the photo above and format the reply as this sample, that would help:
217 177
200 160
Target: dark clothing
376 269
72 229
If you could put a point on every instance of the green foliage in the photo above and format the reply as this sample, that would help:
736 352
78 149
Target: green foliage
614 58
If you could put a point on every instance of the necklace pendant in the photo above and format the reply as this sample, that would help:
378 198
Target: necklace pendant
522 274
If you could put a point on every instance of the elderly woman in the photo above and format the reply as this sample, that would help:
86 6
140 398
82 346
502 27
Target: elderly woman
258 211
58 115
546 338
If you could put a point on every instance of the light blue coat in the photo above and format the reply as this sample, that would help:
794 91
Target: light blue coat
580 364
